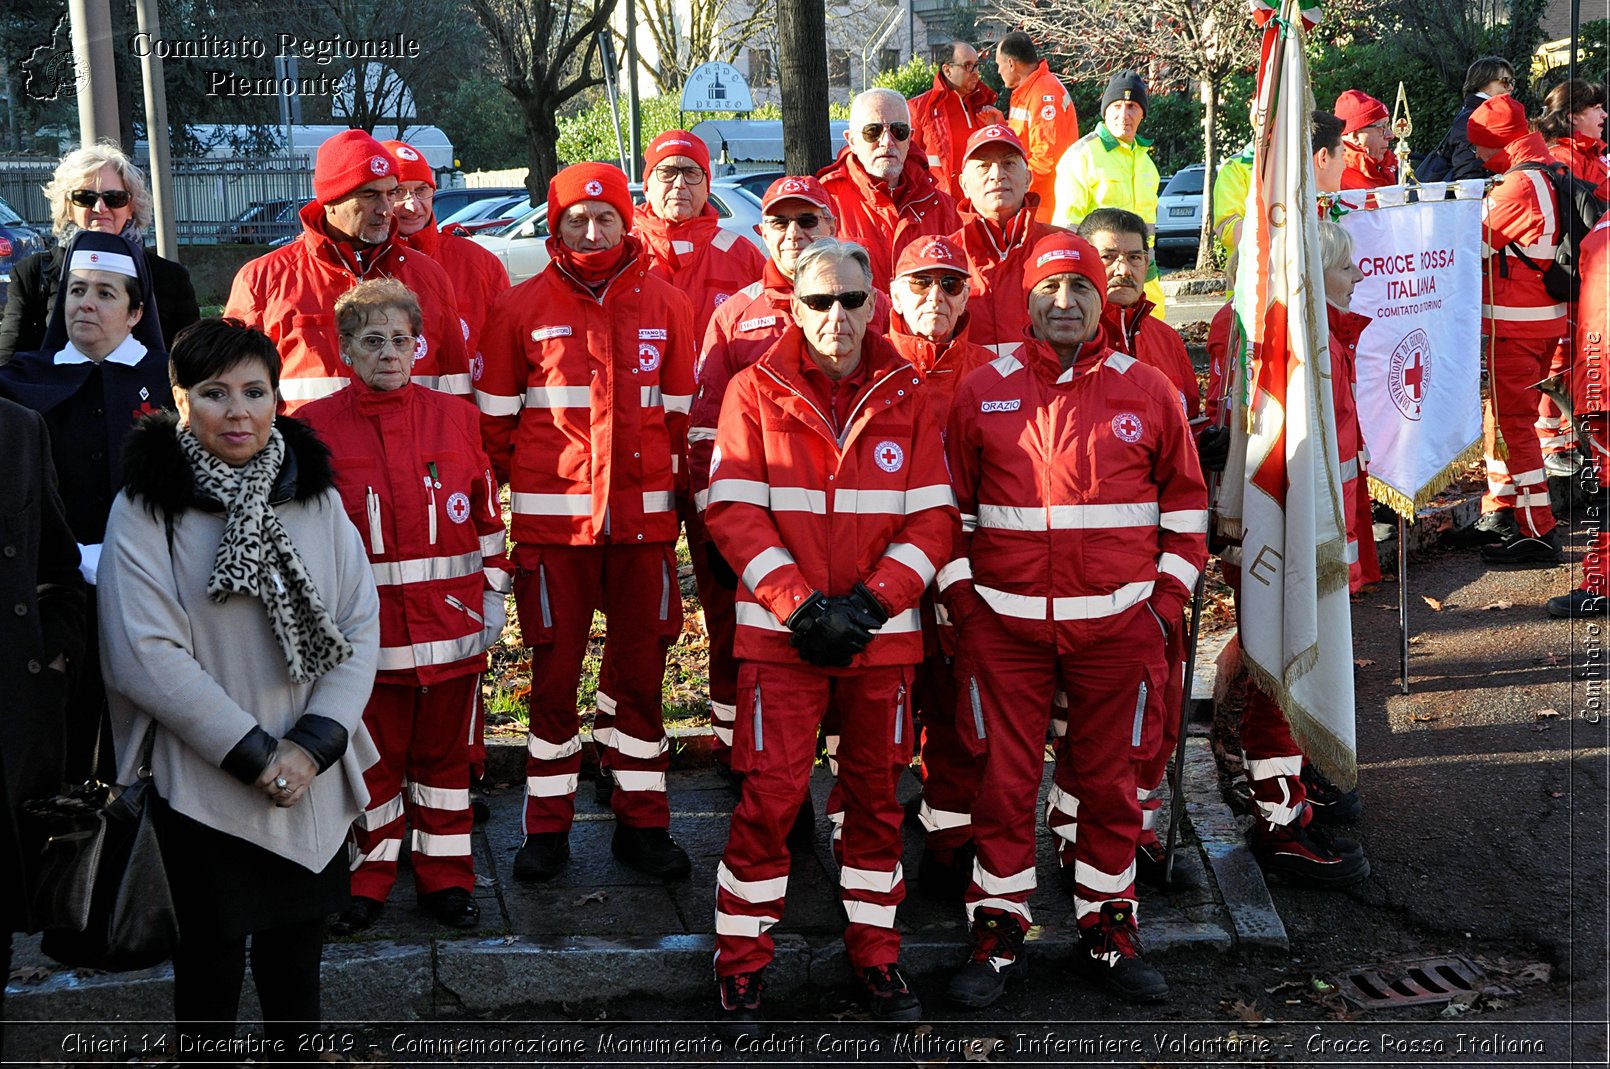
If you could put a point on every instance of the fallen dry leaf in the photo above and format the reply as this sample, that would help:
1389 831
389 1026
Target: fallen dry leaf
593 896
1362 662
1415 640
1242 1011
1546 714
1500 604
979 1050
1537 972
1426 718
1436 606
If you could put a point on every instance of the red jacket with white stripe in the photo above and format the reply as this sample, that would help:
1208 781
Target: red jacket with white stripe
1590 377
289 294
868 215
478 278
419 489
998 310
1345 328
795 509
1135 332
1586 157
1081 496
699 258
943 367
1519 209
941 122
584 405
741 332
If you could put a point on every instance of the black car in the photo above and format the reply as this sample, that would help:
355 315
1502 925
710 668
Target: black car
264 222
18 241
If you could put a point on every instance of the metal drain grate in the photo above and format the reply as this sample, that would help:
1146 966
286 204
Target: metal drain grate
1415 983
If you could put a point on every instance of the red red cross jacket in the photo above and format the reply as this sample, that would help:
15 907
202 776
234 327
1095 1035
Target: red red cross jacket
419 488
478 278
999 314
1345 328
943 367
941 122
885 225
1080 493
289 294
1586 157
1364 173
794 508
584 404
1134 331
740 332
1519 209
710 265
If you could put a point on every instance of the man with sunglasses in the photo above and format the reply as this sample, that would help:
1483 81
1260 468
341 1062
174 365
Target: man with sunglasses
999 229
1084 519
943 118
1042 114
883 196
830 497
1367 141
348 235
678 228
930 329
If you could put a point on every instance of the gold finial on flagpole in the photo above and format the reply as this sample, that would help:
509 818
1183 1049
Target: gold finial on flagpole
1402 127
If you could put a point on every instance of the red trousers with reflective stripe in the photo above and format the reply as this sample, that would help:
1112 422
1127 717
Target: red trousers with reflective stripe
1273 758
950 769
1517 481
556 590
1114 684
720 627
780 707
1554 430
423 773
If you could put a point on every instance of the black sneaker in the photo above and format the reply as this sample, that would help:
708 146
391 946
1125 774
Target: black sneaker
740 1002
802 833
1109 951
480 792
452 906
1150 868
1331 804
1311 856
652 851
603 789
542 856
1579 605
1492 528
888 997
357 917
946 879
1525 549
996 960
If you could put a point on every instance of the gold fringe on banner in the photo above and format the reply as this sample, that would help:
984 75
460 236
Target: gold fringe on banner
1408 508
1335 758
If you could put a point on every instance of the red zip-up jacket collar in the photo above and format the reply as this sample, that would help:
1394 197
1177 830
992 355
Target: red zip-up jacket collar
925 355
1122 325
661 236
1365 173
341 253
783 365
632 263
916 185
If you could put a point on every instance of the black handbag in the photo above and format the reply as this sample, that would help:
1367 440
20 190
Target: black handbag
99 882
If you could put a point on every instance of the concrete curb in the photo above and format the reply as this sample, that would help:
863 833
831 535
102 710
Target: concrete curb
1241 885
1193 287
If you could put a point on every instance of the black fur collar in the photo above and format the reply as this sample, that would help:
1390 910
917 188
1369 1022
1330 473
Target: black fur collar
156 469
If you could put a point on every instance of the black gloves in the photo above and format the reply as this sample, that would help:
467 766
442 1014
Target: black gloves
829 632
720 570
1213 449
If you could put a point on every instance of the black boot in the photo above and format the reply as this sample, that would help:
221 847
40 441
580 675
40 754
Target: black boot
1530 550
542 856
1109 951
651 850
995 961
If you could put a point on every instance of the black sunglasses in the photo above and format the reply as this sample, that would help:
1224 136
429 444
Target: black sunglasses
86 198
821 302
951 284
806 221
872 132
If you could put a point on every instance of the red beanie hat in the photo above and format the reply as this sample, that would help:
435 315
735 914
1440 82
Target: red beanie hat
1064 253
1499 121
347 161
1358 109
677 143
589 181
411 165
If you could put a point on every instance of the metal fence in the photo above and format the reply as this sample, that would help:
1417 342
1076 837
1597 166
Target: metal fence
210 195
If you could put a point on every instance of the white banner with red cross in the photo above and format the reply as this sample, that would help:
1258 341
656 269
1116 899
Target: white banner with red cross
1419 360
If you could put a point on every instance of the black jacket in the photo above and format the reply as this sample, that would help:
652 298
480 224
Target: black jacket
1455 159
33 294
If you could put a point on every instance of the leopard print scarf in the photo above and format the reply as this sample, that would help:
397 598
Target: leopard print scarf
256 557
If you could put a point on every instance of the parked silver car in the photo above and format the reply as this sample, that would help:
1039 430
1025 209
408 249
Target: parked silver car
523 244
1179 216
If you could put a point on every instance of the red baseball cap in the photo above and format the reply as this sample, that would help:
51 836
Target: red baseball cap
1063 253
796 187
411 165
993 134
1358 109
932 254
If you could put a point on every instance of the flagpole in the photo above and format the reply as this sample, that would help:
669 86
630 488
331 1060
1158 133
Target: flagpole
1403 603
1176 805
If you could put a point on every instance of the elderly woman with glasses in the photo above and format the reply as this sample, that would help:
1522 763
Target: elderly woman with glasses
94 188
419 488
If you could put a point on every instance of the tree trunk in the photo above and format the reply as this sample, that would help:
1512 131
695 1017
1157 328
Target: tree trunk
802 51
1210 130
542 139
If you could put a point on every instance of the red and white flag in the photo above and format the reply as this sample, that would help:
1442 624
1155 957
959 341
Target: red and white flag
1282 491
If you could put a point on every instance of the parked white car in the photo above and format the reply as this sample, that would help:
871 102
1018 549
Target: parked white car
1179 216
523 244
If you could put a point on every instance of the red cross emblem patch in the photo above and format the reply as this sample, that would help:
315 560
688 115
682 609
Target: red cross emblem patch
458 507
1127 427
889 456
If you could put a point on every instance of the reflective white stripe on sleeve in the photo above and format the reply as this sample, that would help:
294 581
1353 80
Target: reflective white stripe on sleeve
969 522
493 544
992 884
420 654
701 434
448 798
552 504
543 750
764 563
745 491
558 396
930 497
1185 521
749 614
641 749
426 569
492 404
756 892
869 913
457 385
957 570
1103 882
1177 566
381 815
722 733
1349 469
912 558
657 501
1275 767
882 883
311 388
742 927
903 623
650 397
551 786
430 845
678 402
639 781
701 500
